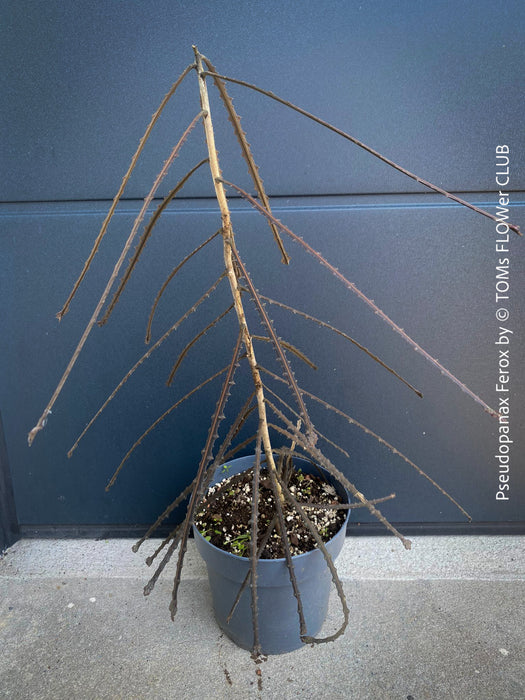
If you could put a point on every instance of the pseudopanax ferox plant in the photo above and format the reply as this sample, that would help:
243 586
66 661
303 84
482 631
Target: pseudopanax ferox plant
291 484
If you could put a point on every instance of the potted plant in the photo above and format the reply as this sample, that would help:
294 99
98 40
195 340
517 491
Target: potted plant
286 444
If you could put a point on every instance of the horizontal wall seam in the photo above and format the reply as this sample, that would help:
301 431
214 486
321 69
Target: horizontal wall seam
20 211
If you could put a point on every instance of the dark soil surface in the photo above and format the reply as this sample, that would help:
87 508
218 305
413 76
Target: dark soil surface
224 518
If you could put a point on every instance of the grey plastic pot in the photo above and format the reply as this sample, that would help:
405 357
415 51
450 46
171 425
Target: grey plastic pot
277 607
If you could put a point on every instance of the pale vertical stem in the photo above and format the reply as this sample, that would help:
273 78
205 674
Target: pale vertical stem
228 245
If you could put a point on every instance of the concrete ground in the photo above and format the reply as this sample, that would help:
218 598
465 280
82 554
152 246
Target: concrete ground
443 621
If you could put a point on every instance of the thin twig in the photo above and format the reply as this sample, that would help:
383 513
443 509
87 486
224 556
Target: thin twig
231 453
171 276
159 420
295 351
43 418
125 180
352 287
144 239
370 150
347 506
343 335
194 340
143 359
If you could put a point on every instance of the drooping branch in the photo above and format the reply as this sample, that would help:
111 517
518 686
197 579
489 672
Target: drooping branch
362 145
377 437
171 276
167 511
369 302
240 446
344 335
283 533
144 239
291 348
194 340
292 433
323 437
125 180
205 459
243 415
175 536
174 153
159 420
260 549
390 447
144 357
329 562
254 530
348 506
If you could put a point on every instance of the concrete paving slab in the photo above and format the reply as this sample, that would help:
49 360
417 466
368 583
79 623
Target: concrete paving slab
74 624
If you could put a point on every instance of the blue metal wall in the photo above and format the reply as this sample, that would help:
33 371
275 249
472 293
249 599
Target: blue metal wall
435 87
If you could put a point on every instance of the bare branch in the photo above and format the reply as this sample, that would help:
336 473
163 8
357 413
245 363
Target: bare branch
260 549
184 494
347 506
144 239
253 540
343 335
239 447
293 434
330 563
176 536
234 430
375 153
287 370
377 437
286 545
352 287
125 180
43 418
295 351
323 437
159 420
206 456
143 359
195 339
171 276
394 450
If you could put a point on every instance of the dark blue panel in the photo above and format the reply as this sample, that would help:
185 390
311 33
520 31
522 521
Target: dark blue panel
435 86
431 268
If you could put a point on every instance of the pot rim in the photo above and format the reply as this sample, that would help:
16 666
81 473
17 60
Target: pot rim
266 562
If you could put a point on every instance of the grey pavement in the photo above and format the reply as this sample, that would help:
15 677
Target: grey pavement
443 621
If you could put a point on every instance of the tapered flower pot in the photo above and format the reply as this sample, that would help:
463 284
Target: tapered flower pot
277 607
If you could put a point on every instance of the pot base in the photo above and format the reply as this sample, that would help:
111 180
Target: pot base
278 619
